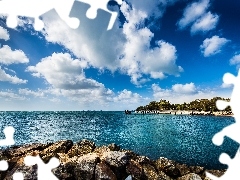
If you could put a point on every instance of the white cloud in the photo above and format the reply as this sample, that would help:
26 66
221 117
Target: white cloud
206 23
213 45
4 34
138 57
188 88
192 12
12 79
61 71
235 60
8 56
118 49
126 96
196 16
9 96
180 93
28 92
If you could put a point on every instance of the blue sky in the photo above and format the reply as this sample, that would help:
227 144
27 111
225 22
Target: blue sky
158 49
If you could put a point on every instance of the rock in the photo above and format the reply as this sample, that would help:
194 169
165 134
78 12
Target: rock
196 169
163 176
168 167
17 151
81 148
117 161
217 173
172 171
85 166
58 147
114 147
115 158
149 172
65 171
162 163
135 169
142 159
190 176
183 168
101 150
104 172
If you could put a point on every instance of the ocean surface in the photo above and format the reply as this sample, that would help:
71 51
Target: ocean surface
184 138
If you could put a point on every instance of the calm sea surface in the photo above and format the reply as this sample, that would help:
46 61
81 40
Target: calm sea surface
186 139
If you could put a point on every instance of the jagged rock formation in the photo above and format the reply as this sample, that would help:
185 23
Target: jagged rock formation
85 161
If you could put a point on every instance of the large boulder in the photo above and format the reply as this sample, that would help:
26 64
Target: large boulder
81 148
104 172
117 161
85 166
149 172
135 169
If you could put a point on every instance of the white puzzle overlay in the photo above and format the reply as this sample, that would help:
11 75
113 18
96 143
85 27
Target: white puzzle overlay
231 131
35 8
44 170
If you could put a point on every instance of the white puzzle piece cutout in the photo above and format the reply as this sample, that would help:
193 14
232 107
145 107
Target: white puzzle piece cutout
36 8
44 170
232 131
9 134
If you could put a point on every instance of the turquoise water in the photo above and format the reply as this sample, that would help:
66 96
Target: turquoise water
186 139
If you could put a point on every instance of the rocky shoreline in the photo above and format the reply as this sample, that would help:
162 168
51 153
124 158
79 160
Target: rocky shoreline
85 161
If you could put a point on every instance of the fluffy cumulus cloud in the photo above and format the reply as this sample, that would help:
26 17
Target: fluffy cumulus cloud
235 60
9 56
61 71
66 78
180 93
127 96
206 23
138 57
188 88
4 34
9 78
124 49
213 45
198 17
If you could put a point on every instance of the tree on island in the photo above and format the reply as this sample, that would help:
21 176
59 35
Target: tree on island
196 105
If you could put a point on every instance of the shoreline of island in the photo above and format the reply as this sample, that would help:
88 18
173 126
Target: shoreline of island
185 112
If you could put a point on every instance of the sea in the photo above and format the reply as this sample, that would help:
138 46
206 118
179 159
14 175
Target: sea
183 138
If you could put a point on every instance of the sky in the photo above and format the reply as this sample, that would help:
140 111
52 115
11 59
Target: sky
176 50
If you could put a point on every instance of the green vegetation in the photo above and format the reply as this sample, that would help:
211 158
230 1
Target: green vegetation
196 105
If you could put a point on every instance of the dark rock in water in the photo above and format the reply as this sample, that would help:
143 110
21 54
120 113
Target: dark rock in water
104 172
85 161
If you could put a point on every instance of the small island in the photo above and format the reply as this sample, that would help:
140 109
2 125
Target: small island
196 107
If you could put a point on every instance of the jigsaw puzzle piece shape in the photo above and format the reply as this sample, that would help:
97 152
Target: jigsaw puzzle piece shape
3 165
101 4
231 131
44 170
9 133
36 8
18 176
233 167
